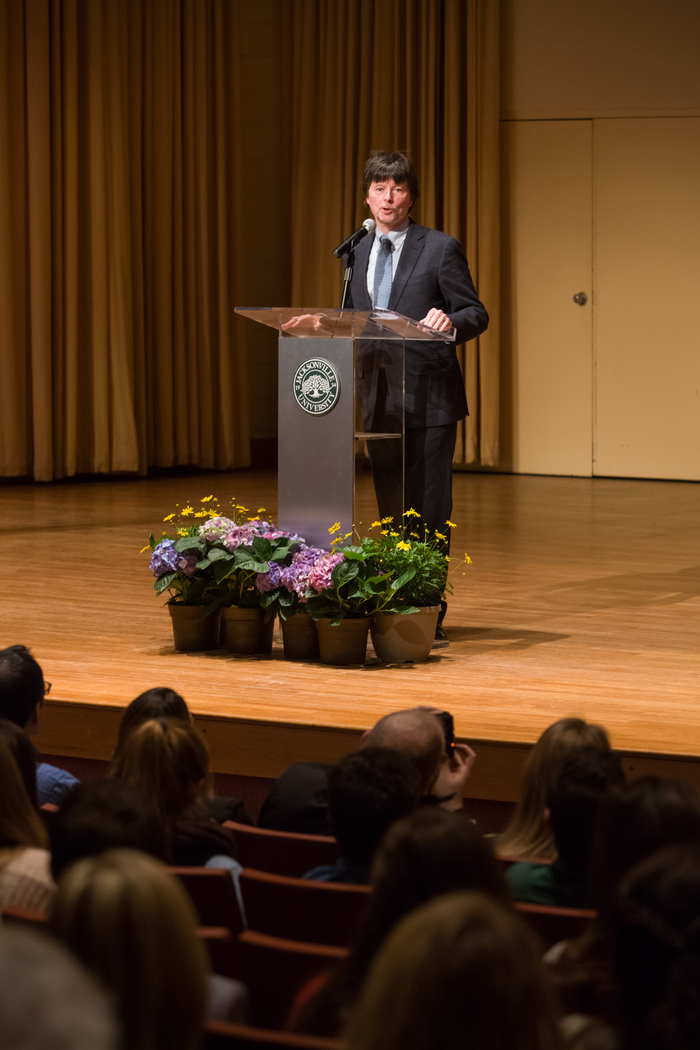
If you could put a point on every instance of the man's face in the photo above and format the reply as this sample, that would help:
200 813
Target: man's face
389 203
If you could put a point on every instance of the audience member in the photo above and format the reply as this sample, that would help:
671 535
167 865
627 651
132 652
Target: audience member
47 1000
22 691
25 877
23 753
102 815
167 760
460 971
528 834
161 702
132 924
655 938
573 802
425 855
298 799
367 792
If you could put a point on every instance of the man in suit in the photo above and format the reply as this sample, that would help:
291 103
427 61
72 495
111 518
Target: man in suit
422 274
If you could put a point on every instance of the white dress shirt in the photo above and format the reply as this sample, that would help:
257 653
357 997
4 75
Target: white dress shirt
397 238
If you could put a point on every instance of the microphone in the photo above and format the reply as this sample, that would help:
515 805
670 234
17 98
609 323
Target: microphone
367 227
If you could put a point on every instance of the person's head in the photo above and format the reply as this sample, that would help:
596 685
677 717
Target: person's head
132 924
390 187
528 834
418 735
20 824
102 815
367 792
638 820
168 761
23 753
47 999
21 686
154 703
655 936
574 800
461 970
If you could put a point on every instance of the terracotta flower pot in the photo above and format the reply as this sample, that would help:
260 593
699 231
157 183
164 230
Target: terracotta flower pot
346 643
404 637
245 631
300 638
192 632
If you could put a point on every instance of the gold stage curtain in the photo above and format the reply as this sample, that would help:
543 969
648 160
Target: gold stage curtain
415 75
118 248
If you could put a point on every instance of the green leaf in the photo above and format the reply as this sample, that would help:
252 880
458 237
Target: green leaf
354 553
217 554
262 548
248 562
163 582
403 579
152 542
346 570
188 543
204 564
222 570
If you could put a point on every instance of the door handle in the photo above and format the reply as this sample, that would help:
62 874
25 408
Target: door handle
581 298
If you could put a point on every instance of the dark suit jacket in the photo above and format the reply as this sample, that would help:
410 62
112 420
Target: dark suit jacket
432 272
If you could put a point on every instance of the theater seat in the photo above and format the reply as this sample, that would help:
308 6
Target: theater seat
221 1036
555 924
320 912
275 970
213 895
282 852
24 917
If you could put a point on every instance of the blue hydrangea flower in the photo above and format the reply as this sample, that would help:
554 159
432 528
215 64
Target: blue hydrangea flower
164 558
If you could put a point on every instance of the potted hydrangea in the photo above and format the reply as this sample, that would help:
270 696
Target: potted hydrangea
285 591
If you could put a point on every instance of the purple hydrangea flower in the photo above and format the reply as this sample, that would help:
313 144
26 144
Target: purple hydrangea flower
215 528
320 575
187 563
239 535
268 581
295 576
164 558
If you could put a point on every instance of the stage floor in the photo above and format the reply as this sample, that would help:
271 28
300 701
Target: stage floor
583 599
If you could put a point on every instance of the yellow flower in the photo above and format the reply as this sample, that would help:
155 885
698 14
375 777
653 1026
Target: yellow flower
347 535
187 510
206 499
169 517
467 559
394 534
243 510
447 558
335 528
385 532
451 524
146 548
440 536
182 532
385 521
411 513
260 510
338 539
213 512
201 513
375 524
401 546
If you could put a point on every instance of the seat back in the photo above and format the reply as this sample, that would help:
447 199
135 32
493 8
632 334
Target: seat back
556 924
301 910
282 852
222 949
24 917
221 1036
213 895
275 970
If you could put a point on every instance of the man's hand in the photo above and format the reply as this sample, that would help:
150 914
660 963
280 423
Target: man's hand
453 775
437 319
314 321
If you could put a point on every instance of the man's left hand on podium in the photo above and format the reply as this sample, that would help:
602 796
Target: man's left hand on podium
437 319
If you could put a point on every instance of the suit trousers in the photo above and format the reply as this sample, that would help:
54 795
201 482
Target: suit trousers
428 456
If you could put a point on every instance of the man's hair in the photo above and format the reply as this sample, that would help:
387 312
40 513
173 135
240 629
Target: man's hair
48 999
367 792
21 684
103 815
574 799
416 734
381 166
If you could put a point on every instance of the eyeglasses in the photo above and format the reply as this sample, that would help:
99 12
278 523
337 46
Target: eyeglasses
47 688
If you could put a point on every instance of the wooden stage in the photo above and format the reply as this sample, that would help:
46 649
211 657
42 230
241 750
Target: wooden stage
583 599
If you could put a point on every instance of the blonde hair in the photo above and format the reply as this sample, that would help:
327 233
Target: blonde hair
527 833
20 824
131 923
168 761
461 970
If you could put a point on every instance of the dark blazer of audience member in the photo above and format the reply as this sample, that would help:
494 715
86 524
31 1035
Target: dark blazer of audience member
168 761
462 970
367 792
425 855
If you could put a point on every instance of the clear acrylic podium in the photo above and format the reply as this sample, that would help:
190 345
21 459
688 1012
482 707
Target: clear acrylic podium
347 385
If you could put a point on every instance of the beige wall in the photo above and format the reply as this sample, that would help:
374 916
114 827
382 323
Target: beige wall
615 196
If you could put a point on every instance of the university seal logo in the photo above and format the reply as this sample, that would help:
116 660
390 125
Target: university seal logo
316 386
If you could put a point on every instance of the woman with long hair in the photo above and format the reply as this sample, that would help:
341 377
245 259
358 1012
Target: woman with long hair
425 855
25 875
528 833
168 761
130 922
159 702
460 971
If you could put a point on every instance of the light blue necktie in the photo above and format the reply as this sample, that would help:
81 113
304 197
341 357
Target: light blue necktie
383 274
